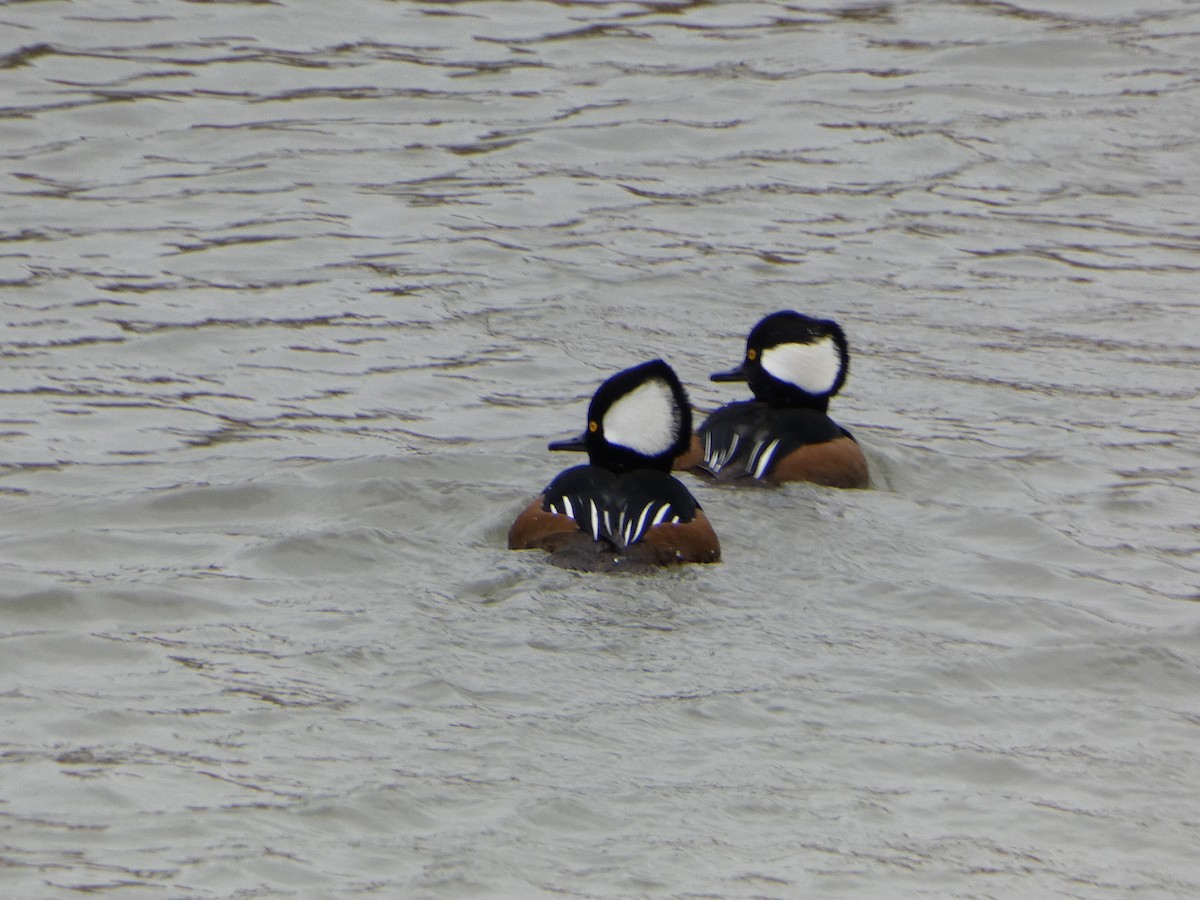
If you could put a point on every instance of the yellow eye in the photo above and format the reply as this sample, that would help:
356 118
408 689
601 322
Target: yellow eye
592 426
751 355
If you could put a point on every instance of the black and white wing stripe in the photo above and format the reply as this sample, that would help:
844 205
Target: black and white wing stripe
632 524
759 461
717 455
583 510
751 438
622 526
619 509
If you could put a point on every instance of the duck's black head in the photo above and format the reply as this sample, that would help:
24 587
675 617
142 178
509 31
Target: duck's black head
793 360
639 418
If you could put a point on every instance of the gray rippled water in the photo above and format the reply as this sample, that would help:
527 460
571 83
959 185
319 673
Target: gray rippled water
294 296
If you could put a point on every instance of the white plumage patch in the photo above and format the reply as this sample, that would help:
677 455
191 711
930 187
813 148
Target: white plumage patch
811 367
632 525
594 520
623 527
716 458
645 420
760 458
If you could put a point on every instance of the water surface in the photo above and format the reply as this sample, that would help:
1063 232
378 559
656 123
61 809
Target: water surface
294 297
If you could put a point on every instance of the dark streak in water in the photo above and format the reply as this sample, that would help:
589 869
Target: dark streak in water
65 342
332 320
231 241
25 55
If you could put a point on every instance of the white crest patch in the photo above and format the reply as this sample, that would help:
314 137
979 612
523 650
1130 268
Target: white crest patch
811 367
645 420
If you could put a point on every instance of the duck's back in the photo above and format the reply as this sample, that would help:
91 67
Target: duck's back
592 519
752 440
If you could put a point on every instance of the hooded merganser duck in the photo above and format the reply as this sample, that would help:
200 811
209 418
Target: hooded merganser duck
793 364
624 511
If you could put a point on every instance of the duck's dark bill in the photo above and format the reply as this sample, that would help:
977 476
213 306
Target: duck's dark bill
577 443
738 374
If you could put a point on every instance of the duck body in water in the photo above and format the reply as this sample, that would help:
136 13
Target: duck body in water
623 511
793 364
